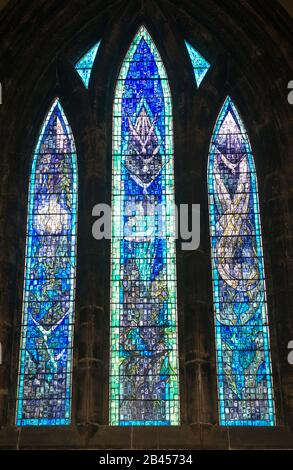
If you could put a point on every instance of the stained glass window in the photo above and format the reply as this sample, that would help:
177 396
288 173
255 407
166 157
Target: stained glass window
85 64
144 351
44 381
244 373
199 64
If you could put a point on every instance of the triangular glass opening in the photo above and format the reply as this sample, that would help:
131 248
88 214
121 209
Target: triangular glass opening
85 64
199 63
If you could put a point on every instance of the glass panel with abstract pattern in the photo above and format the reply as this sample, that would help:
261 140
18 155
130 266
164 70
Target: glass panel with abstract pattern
199 63
144 386
44 381
85 64
245 387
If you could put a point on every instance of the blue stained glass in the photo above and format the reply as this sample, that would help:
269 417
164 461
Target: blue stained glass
85 64
144 388
199 63
45 366
245 388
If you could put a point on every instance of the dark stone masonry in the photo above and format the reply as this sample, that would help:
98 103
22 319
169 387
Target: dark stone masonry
249 44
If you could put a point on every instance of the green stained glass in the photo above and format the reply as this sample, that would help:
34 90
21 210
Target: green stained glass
85 64
199 63
144 382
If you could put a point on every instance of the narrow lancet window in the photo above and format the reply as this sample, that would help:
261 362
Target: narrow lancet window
45 367
245 387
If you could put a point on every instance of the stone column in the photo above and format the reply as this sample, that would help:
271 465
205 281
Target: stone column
198 317
12 233
90 323
277 235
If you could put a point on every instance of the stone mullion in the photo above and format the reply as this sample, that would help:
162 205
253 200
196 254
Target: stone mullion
90 294
12 243
198 317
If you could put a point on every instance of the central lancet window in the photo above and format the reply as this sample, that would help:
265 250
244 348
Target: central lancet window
144 388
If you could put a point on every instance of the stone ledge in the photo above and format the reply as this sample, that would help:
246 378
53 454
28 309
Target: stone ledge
194 436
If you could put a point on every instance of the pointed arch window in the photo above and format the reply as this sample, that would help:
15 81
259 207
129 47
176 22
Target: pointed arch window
144 387
45 366
244 373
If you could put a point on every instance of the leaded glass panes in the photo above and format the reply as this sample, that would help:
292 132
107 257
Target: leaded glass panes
45 367
144 348
199 63
244 373
85 64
